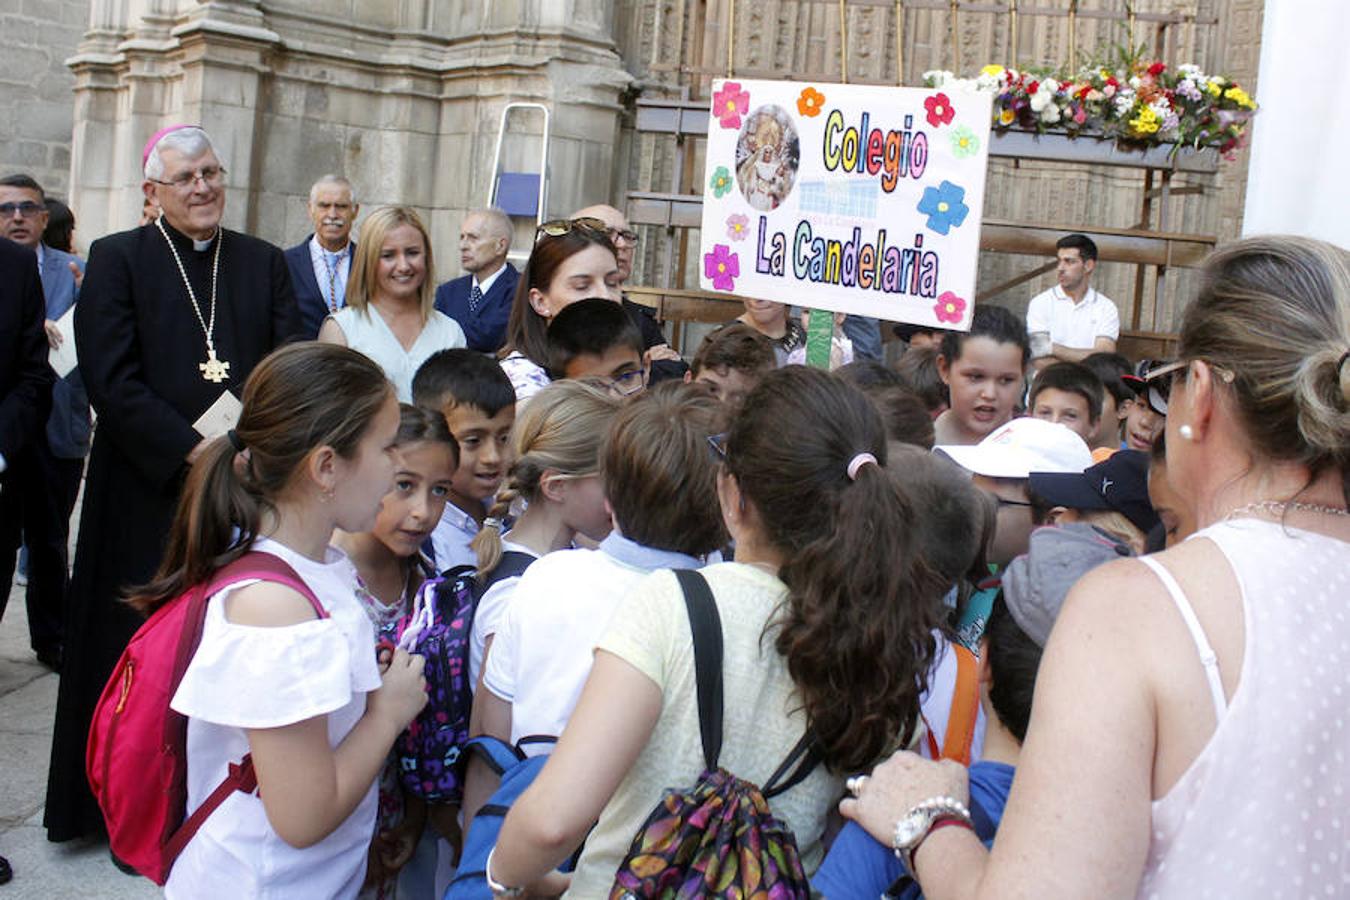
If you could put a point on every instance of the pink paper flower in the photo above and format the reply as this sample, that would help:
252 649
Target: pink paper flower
723 267
940 110
737 226
949 308
729 104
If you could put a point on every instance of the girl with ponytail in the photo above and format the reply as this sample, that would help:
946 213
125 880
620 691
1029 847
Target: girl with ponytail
302 694
556 474
827 619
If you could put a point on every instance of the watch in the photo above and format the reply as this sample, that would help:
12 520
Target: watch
920 821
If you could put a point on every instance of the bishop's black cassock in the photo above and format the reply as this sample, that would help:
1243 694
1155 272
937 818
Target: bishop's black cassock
140 345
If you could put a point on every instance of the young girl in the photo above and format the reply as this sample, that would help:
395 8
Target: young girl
390 569
556 444
572 259
984 373
303 695
827 617
390 314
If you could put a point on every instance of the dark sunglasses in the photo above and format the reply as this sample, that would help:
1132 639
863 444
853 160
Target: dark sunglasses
718 443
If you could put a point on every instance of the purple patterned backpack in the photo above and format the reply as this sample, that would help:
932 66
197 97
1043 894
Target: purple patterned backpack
439 628
717 838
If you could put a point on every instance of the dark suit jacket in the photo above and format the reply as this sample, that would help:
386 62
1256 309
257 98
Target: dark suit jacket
25 378
69 426
313 304
485 330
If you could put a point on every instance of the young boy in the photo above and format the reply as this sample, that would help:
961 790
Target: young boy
918 369
1001 465
479 405
1147 415
1117 397
731 361
1034 589
984 372
1111 496
1070 394
597 338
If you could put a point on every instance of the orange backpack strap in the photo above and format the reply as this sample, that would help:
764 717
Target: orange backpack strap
965 709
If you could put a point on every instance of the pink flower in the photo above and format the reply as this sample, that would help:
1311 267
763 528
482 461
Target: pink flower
729 104
1079 115
949 308
722 267
737 226
940 110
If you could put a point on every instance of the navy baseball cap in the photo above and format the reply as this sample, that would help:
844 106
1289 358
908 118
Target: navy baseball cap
1119 483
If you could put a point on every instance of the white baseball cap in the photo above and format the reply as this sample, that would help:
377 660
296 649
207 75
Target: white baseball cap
1021 447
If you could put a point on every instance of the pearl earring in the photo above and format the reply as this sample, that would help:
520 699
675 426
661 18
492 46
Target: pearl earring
1187 433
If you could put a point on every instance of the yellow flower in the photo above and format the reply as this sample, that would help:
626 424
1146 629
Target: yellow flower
992 71
1006 117
1214 89
1239 96
1146 122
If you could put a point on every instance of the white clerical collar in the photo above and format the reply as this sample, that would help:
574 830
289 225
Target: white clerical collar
485 286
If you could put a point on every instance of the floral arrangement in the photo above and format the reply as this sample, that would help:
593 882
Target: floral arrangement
1139 101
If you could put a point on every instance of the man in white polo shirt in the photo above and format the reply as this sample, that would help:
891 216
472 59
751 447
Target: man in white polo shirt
1071 320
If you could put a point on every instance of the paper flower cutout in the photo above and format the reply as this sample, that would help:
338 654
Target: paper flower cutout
949 308
722 266
729 104
964 142
720 182
945 206
940 110
810 102
737 226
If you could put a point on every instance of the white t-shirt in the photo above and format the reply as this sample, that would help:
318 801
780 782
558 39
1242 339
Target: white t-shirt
253 677
762 720
492 607
1073 325
545 642
367 332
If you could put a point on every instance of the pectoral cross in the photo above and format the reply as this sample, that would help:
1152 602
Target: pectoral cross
214 370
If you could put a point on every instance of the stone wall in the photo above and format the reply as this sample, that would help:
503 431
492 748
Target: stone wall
36 37
404 98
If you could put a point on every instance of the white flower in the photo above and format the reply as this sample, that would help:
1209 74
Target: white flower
1050 85
1135 82
1124 102
1190 70
1050 115
937 77
1041 99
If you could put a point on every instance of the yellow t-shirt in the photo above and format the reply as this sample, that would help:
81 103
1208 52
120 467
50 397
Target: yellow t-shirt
761 722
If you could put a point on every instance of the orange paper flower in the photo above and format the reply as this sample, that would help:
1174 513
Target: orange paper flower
810 102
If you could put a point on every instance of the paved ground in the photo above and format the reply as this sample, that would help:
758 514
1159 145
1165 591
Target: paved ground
42 870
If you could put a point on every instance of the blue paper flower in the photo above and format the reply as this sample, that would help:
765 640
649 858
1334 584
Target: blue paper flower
945 206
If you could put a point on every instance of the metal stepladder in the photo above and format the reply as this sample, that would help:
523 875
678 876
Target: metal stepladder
521 195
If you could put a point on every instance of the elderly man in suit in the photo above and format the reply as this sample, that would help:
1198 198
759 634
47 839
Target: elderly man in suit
320 263
45 477
480 301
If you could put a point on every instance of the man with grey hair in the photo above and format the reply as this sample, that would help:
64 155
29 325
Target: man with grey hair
320 263
172 318
480 301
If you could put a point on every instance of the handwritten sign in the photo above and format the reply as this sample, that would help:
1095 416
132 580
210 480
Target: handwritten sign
850 198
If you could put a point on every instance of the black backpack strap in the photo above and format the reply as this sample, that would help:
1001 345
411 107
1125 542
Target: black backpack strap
705 625
805 756
511 564
534 739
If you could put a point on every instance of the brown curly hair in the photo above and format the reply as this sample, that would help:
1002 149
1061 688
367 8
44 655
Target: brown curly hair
862 607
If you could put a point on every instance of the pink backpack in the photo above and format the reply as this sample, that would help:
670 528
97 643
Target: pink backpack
136 760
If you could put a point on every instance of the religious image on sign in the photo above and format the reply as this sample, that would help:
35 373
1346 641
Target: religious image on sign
850 198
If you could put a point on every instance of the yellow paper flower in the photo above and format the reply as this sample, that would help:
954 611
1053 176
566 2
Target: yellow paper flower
1146 122
992 71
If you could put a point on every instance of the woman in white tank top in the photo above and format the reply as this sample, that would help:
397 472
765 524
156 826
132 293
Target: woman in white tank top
390 315
1191 730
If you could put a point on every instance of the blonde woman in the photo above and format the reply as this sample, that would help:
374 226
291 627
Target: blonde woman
390 316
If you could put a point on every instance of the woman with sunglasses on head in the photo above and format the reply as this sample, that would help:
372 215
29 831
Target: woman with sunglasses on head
1191 739
572 259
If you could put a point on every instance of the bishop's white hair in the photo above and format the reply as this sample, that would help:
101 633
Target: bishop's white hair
191 141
